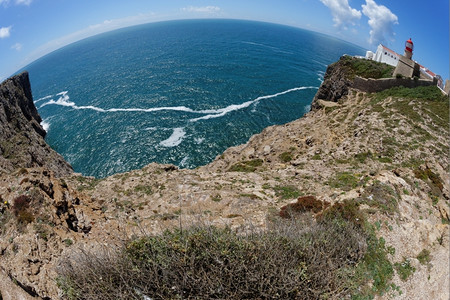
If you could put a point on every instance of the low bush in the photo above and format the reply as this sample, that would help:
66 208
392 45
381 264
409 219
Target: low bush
288 261
21 209
303 204
246 166
429 93
286 157
366 68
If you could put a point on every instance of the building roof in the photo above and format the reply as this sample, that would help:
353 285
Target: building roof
389 50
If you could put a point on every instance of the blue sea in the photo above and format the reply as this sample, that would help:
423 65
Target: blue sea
178 92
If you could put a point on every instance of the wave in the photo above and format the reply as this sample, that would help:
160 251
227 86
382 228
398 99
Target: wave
64 100
45 125
43 98
183 162
321 75
199 140
275 49
223 111
175 139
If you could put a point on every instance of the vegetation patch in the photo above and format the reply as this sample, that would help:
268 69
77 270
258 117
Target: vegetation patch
346 181
429 93
246 166
22 211
366 68
144 189
361 157
303 204
286 192
216 198
432 179
87 183
206 262
286 157
404 269
424 256
381 196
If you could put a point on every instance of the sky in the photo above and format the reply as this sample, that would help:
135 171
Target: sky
29 29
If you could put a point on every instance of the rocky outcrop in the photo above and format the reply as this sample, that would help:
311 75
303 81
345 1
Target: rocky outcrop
335 84
22 142
389 156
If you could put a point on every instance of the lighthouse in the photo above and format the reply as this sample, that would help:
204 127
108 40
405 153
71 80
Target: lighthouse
409 46
406 67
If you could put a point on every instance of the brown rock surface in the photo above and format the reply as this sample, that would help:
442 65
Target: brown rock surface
22 142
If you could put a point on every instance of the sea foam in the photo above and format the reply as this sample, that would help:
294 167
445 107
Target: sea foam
45 125
175 139
223 111
64 100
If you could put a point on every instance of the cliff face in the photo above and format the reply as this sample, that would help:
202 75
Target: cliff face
22 142
385 153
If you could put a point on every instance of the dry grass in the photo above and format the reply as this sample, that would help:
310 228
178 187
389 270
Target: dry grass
291 260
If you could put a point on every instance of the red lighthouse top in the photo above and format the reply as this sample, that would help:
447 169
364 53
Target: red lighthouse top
409 46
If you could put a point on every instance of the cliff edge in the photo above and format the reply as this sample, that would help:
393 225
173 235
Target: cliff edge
22 142
378 160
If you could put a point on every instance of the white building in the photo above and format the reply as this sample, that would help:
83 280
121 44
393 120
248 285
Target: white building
390 57
384 55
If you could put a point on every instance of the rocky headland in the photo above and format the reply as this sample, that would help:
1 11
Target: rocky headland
384 152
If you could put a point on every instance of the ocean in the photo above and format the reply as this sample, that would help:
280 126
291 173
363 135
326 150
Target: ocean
178 92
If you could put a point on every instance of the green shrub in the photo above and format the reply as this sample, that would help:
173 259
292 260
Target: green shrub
246 166
345 181
382 196
286 192
424 256
286 157
429 93
206 262
404 269
303 204
366 68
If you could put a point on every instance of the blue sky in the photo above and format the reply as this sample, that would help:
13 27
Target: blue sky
30 29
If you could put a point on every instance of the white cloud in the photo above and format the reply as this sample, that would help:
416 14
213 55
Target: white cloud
24 2
17 2
381 22
17 46
342 13
5 32
202 9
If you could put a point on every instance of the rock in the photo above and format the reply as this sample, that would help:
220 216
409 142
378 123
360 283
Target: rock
335 85
22 142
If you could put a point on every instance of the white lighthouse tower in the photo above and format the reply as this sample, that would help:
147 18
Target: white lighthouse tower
409 47
406 66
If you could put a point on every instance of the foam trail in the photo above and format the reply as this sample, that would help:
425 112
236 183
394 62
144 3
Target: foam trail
43 98
64 100
199 140
223 111
184 161
175 139
321 75
275 49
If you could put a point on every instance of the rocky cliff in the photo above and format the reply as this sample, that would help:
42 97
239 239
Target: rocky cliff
22 142
385 152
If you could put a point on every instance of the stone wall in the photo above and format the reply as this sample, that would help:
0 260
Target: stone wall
378 85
